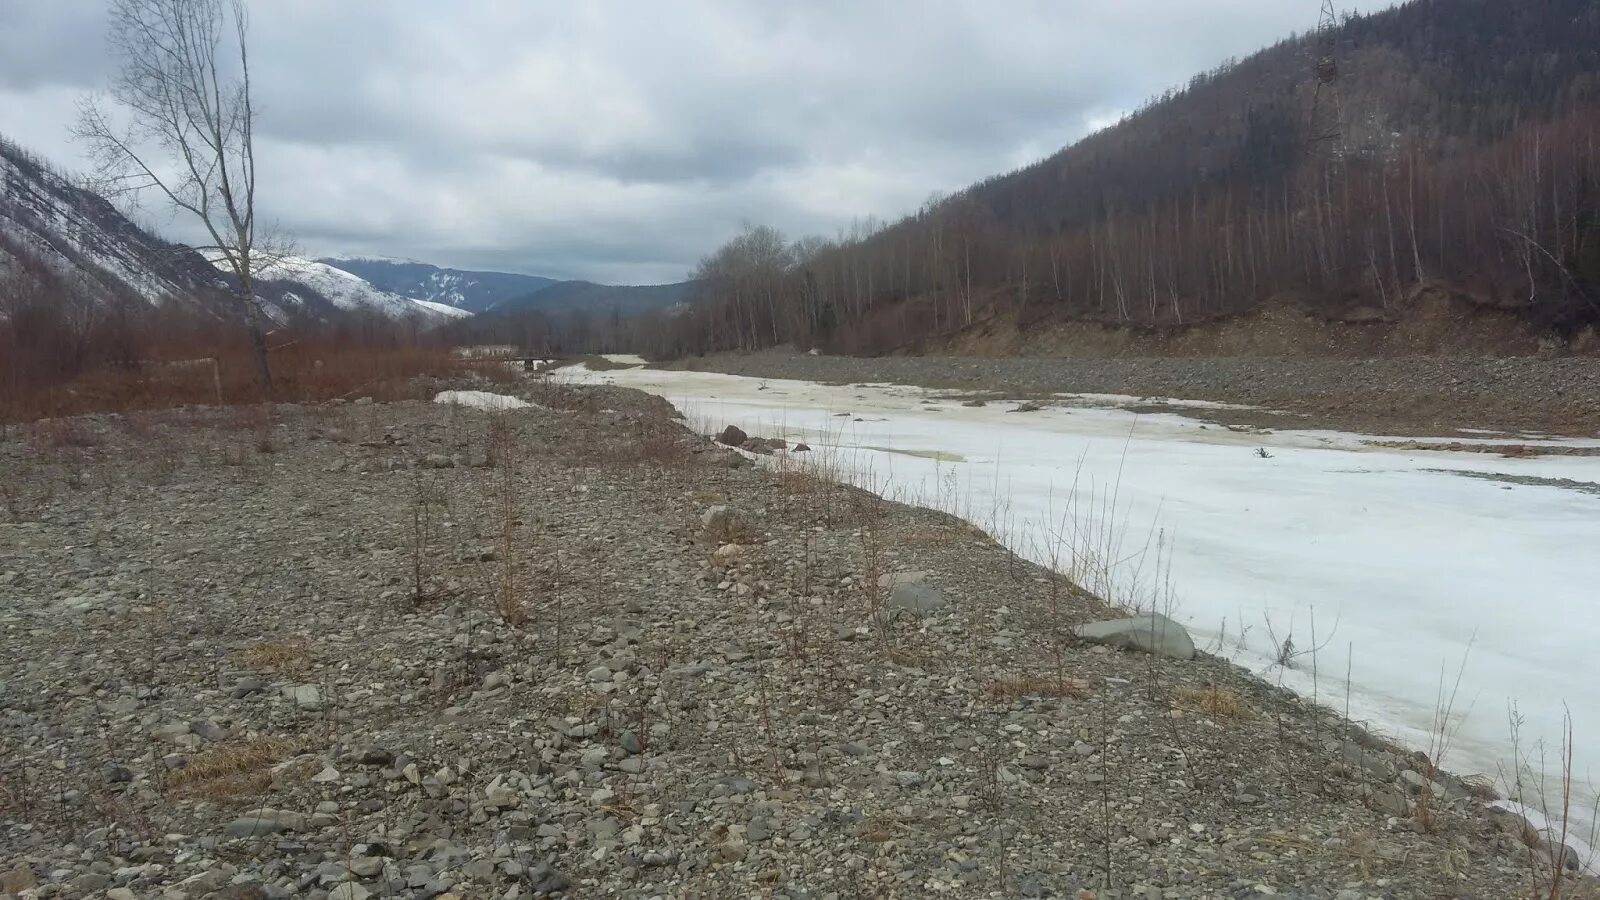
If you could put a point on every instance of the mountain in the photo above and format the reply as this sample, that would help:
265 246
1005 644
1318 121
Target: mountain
64 244
1437 159
506 292
307 282
460 288
599 299
56 237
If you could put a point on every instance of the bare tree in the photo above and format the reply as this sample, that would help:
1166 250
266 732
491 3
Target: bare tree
187 129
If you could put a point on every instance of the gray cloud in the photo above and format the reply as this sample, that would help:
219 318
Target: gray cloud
620 141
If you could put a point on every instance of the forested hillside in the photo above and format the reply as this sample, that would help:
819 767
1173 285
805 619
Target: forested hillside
1454 149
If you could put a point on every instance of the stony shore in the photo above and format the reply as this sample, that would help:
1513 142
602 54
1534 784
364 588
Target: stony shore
414 650
1405 396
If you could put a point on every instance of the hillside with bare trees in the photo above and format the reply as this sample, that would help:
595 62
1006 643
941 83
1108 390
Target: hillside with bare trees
1460 170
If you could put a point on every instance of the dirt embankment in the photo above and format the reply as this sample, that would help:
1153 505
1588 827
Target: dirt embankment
1400 395
367 649
1430 321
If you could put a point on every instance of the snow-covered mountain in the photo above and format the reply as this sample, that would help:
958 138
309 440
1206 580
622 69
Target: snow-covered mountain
507 292
66 244
460 288
56 234
303 282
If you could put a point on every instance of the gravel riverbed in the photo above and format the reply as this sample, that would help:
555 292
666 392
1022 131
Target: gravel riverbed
413 650
1409 396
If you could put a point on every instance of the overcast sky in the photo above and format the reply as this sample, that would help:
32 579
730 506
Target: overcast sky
620 141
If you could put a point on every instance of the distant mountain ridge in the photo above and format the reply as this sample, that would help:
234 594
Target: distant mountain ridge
473 291
506 292
62 243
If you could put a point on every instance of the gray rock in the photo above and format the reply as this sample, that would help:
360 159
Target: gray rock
1154 633
245 686
349 891
916 598
631 743
715 518
305 696
18 879
733 436
1389 802
207 729
1419 782
263 822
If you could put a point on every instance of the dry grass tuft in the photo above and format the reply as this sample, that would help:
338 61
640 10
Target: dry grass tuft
1014 687
1212 700
927 536
234 770
274 656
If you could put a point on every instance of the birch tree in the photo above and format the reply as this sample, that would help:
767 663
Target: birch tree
181 121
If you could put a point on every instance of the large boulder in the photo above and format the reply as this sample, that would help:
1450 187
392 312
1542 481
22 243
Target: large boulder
909 592
915 598
733 436
1153 633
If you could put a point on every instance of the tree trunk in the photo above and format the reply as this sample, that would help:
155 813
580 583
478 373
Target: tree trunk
258 337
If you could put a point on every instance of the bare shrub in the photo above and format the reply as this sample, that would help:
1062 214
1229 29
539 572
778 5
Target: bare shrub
508 604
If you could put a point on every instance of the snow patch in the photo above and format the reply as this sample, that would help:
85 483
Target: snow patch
483 400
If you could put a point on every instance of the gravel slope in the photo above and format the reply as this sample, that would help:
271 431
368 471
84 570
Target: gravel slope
247 655
1419 395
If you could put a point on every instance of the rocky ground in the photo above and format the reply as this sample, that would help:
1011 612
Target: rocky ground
412 650
1407 396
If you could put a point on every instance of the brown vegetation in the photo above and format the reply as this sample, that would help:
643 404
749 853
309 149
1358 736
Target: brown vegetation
1017 686
53 364
1212 700
234 770
274 656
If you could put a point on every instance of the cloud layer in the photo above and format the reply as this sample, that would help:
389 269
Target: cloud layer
620 141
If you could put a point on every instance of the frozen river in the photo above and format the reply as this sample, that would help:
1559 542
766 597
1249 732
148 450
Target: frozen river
1409 569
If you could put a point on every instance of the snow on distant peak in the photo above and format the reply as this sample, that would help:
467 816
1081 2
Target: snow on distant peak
346 290
443 309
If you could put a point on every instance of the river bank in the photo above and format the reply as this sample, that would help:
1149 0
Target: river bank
1419 396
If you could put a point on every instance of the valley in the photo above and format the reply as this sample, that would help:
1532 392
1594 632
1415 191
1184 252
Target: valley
1120 451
